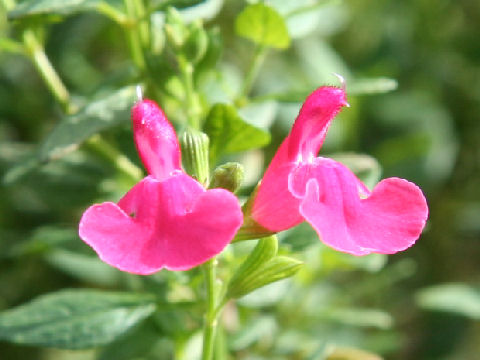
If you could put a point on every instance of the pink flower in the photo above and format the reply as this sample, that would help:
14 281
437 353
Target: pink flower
299 186
167 220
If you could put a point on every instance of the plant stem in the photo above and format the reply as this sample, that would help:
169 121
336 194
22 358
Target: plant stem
192 103
120 161
37 53
211 315
252 72
133 37
113 13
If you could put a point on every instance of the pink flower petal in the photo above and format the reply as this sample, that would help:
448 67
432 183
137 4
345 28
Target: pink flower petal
155 139
389 220
275 208
161 224
313 120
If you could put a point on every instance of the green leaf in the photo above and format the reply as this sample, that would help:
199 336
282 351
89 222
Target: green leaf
137 344
265 249
456 298
229 133
98 115
371 86
360 317
253 331
57 7
263 25
275 269
87 268
75 319
344 353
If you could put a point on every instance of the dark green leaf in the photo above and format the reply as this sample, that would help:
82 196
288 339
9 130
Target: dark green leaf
229 133
57 7
75 319
263 25
98 115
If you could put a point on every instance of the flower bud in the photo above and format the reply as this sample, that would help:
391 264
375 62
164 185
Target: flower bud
194 146
228 176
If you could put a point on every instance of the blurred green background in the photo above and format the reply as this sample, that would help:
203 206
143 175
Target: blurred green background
423 303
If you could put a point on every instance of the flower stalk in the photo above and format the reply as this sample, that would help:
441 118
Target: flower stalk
210 325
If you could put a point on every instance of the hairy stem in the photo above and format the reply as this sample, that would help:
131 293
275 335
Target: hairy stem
46 70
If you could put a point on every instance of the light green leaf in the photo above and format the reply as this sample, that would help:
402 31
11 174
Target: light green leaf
360 317
87 268
371 86
263 25
55 7
265 249
277 268
75 319
229 133
456 298
253 331
344 353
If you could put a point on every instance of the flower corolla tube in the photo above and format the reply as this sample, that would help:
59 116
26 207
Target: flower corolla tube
168 219
347 216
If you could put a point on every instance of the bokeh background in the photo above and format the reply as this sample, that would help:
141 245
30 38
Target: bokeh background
423 303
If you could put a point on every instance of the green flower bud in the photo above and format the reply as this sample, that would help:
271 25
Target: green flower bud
228 176
194 146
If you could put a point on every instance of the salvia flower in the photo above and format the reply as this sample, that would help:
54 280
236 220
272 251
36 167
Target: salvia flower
347 216
167 220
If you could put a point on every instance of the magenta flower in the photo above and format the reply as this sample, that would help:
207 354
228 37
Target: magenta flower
167 220
347 216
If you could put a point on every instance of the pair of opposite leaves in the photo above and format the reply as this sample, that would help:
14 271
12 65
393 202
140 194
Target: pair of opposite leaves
169 220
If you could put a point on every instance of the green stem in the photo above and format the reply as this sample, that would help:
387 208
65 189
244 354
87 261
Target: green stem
211 314
113 13
252 72
37 53
192 102
120 161
133 37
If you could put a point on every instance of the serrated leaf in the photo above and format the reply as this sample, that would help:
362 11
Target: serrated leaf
54 7
75 319
229 133
263 25
277 268
461 299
